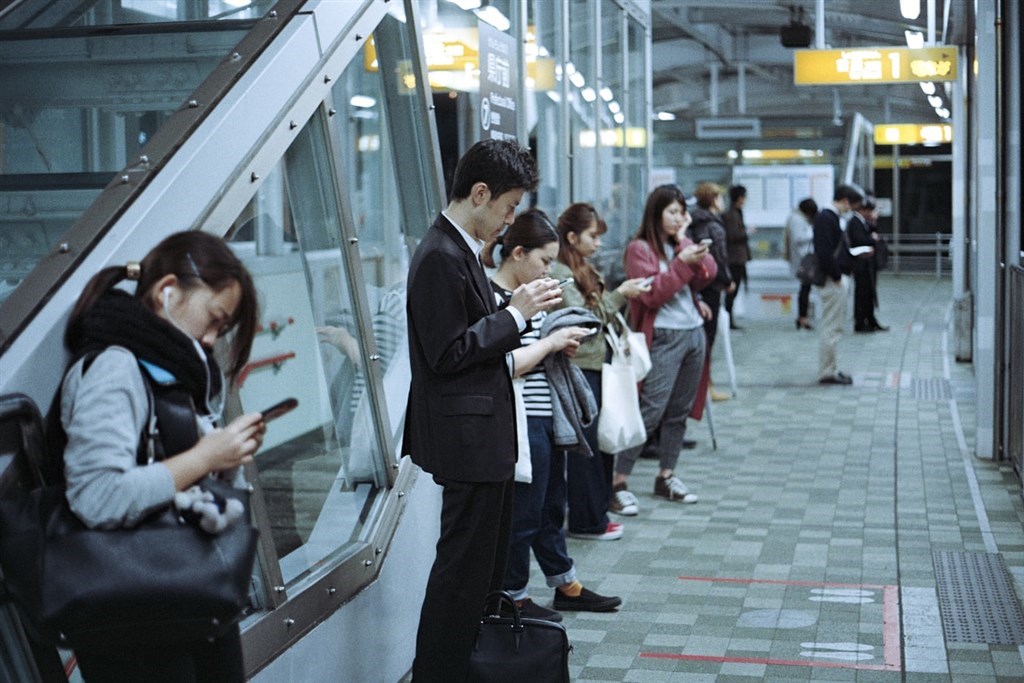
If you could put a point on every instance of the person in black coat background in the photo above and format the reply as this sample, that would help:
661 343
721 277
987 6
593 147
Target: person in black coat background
860 233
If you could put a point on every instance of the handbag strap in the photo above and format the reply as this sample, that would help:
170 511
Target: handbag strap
617 341
494 600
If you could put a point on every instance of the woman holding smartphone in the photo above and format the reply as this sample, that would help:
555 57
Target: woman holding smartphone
528 248
590 478
672 319
190 290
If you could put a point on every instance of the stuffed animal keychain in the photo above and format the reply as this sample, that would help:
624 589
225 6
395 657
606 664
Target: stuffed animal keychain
211 513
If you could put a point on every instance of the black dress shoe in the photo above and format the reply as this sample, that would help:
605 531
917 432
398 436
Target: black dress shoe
878 327
531 610
838 378
689 444
586 601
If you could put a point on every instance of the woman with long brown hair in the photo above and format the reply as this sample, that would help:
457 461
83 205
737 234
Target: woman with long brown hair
672 318
590 478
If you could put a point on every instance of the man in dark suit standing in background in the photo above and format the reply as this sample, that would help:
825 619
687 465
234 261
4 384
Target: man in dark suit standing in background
832 253
460 421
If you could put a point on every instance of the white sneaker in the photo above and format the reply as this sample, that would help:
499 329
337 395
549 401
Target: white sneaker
673 489
624 502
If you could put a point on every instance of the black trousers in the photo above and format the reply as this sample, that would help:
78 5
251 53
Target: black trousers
219 661
863 298
472 550
713 298
803 299
739 276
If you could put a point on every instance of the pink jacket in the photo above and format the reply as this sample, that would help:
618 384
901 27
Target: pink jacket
643 261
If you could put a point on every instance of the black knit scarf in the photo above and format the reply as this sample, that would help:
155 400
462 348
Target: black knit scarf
121 319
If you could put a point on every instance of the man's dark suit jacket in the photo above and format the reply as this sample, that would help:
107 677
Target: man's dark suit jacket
460 421
827 237
858 234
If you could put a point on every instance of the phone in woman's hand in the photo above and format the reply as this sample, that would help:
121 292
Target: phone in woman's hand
278 409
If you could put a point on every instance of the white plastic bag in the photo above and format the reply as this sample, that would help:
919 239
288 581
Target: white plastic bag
620 426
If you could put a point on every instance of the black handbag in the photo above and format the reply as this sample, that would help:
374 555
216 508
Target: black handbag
163 580
518 649
807 272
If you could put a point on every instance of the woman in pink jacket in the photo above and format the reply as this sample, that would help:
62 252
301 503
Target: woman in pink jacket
672 318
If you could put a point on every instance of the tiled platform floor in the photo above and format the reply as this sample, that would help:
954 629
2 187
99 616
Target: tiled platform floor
809 555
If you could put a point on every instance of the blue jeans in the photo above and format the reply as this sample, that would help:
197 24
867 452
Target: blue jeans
590 478
538 512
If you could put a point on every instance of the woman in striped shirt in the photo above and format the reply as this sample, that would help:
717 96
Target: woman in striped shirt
527 249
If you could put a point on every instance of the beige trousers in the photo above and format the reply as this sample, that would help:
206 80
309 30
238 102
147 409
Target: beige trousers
833 314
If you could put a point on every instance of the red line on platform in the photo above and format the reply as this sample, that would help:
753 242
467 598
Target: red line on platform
890 627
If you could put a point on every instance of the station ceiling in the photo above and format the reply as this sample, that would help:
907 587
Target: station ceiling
690 36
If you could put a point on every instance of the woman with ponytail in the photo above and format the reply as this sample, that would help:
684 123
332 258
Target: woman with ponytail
528 248
590 478
190 290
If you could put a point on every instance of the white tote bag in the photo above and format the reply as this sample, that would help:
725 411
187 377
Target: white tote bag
620 426
633 346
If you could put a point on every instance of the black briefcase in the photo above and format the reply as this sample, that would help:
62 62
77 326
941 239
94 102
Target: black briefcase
518 649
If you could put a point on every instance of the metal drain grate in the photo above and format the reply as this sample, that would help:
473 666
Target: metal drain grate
977 602
933 389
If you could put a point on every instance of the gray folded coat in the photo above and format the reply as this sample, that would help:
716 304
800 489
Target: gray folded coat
573 406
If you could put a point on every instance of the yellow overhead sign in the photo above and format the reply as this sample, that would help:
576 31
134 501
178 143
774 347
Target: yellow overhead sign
912 133
874 65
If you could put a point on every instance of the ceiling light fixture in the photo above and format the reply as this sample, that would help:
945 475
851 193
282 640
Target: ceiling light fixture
493 16
362 101
910 9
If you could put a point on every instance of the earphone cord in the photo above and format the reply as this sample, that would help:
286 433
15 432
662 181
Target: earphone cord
211 414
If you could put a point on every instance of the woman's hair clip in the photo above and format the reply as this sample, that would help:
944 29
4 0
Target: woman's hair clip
133 270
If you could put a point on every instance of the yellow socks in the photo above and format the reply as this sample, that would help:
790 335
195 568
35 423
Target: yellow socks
572 590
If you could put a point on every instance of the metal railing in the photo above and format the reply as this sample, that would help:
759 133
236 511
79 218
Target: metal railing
920 253
1014 420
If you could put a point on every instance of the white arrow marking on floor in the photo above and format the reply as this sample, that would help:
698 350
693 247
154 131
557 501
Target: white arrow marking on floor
848 652
845 595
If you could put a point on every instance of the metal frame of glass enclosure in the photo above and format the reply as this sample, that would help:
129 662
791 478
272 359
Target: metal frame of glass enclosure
322 194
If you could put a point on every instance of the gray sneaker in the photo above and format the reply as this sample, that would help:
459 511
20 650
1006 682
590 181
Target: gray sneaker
623 502
672 488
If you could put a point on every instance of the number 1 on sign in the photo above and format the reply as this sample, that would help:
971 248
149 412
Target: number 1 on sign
895 59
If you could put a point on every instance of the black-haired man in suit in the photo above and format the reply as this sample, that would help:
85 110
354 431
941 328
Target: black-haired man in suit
460 422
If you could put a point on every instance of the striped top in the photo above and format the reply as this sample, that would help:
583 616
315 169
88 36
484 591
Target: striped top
536 390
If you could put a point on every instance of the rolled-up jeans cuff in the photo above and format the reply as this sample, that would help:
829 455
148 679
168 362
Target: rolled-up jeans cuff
519 594
562 579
